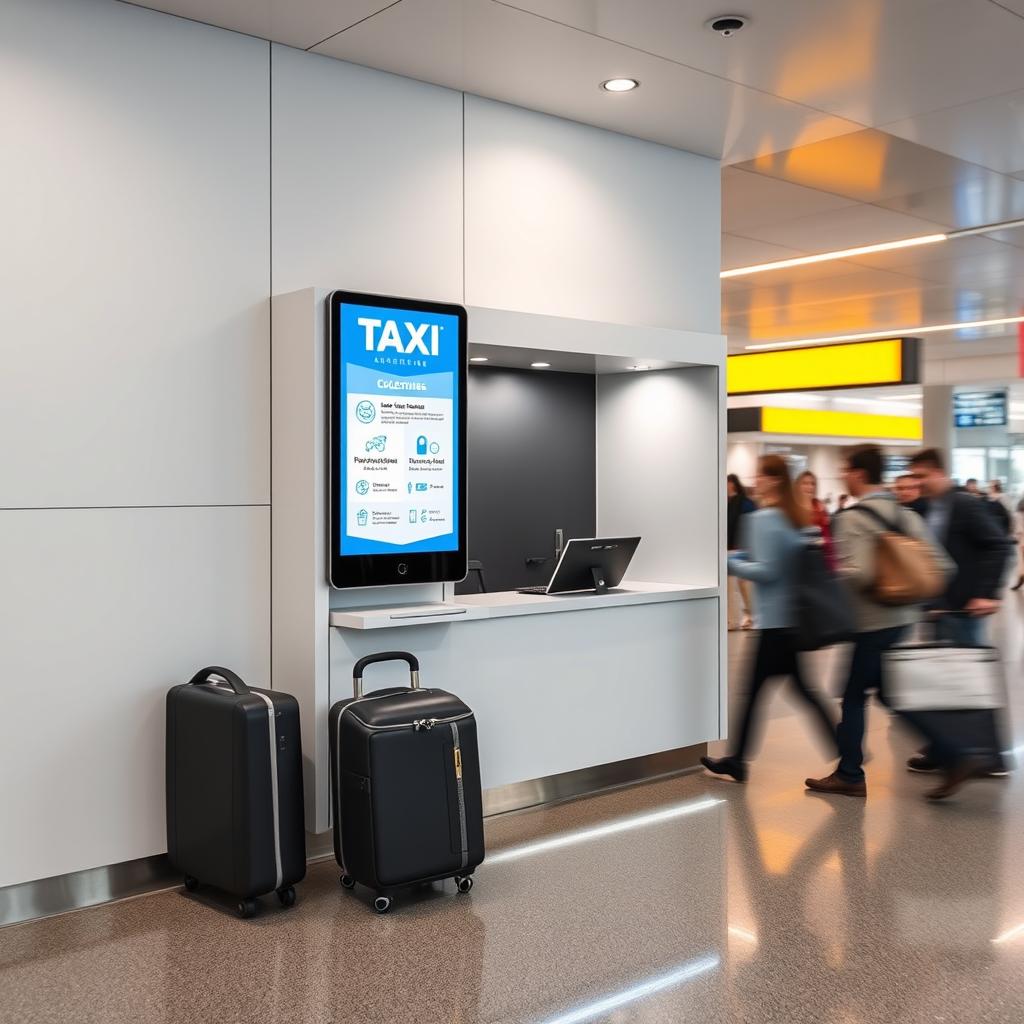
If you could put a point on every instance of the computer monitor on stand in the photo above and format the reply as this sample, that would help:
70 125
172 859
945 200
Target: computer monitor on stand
595 563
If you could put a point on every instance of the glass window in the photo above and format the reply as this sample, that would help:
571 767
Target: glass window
967 463
999 466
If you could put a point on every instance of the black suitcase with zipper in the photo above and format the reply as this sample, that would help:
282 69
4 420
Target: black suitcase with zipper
235 816
405 786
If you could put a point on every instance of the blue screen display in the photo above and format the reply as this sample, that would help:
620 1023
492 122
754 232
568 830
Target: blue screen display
399 431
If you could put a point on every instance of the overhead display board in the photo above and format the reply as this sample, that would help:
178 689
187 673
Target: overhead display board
858 364
979 409
397 440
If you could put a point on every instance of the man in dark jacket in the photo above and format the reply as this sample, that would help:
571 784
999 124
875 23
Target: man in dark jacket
978 545
973 539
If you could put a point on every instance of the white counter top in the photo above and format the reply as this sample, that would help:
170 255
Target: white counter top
467 607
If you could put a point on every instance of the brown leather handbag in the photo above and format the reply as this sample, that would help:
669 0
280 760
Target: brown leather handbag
906 569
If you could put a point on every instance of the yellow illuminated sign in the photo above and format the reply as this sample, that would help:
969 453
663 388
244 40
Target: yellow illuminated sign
830 423
859 364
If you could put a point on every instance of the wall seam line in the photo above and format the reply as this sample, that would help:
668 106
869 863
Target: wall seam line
270 351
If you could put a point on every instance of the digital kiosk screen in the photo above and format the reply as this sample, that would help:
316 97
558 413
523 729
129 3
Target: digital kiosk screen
397 444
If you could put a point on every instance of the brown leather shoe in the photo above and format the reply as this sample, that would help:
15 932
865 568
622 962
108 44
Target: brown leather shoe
963 771
834 784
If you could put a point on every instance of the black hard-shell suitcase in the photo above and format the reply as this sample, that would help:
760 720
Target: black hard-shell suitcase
234 788
960 693
405 784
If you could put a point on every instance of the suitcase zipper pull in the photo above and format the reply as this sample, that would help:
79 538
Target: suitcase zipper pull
458 762
424 723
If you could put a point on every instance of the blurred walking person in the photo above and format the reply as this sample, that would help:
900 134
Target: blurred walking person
963 525
1000 507
908 494
1018 523
739 505
980 549
774 539
879 626
817 513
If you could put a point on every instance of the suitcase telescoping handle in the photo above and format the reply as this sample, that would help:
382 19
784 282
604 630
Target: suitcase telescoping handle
231 678
372 659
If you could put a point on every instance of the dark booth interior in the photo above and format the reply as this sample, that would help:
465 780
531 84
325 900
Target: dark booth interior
532 471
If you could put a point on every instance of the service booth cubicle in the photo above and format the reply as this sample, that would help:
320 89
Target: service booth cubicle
572 692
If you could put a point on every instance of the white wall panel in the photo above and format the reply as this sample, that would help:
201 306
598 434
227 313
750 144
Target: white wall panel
658 455
367 180
614 683
102 610
574 221
134 265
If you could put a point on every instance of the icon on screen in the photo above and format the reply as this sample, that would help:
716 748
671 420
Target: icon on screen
377 444
420 487
423 516
434 447
361 516
366 412
362 486
421 445
412 515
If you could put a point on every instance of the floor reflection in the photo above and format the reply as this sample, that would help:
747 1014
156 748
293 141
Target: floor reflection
688 899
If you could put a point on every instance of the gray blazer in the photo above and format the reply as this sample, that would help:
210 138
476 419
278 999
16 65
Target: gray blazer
856 537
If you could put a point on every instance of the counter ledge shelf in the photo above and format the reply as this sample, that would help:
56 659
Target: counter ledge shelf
506 604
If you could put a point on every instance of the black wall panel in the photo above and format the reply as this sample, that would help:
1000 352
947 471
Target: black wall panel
532 469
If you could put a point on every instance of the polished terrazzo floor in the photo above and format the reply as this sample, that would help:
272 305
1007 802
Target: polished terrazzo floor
688 899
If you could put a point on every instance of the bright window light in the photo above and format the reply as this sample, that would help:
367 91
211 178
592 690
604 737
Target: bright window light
585 835
838 254
642 990
620 85
899 331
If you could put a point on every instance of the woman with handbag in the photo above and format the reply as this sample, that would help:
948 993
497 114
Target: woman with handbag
774 542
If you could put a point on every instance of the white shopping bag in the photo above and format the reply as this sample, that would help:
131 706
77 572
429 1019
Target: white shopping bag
937 677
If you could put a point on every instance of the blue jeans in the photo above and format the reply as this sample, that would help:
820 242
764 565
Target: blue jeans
865 674
964 630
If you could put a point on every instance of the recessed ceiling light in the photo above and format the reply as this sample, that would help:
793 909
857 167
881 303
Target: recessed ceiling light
540 366
620 84
478 359
639 367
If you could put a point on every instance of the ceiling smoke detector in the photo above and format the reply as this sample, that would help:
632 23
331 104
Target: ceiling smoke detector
727 25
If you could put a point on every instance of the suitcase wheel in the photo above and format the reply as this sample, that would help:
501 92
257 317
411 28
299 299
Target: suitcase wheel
464 883
246 908
348 882
191 884
287 896
382 904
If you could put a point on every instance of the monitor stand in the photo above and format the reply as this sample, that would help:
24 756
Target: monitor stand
600 586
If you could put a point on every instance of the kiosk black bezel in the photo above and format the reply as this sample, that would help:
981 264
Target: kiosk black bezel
345 571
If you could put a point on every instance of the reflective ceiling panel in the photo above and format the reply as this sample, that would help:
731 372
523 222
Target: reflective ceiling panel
869 61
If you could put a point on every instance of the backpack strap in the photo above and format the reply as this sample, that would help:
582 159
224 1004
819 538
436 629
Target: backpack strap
893 527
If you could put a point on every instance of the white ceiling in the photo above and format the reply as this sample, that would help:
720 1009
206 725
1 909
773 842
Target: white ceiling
945 73
842 122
